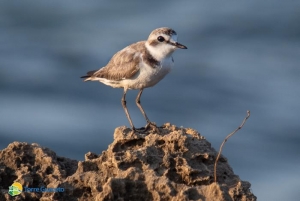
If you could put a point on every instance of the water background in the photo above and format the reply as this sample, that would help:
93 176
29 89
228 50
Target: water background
242 55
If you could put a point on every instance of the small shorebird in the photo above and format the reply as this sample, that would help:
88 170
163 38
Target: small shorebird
139 65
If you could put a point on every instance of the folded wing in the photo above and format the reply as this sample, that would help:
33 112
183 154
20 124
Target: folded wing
123 65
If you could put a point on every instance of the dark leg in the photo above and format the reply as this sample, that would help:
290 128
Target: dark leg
138 103
123 101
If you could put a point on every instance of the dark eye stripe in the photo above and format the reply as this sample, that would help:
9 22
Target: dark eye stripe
169 42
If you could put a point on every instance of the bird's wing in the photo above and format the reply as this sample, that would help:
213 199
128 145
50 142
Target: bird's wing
123 65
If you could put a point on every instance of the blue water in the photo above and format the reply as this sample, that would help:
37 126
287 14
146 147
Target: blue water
241 56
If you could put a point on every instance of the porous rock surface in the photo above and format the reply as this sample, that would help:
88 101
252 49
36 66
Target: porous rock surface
168 163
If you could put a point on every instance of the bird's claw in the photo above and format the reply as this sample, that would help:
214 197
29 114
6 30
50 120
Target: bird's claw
149 125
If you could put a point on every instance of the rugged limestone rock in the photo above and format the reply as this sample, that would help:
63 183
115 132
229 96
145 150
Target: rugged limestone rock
172 164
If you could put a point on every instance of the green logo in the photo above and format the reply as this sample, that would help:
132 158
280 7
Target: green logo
15 189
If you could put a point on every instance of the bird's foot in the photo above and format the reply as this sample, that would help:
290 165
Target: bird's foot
149 126
133 131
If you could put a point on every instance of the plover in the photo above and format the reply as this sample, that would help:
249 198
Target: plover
139 66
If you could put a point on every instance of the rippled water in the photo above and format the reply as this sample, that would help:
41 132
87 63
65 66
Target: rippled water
241 56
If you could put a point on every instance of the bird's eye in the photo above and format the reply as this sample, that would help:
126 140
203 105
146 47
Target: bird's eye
160 38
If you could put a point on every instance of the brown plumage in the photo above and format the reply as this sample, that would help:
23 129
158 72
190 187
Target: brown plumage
140 65
124 64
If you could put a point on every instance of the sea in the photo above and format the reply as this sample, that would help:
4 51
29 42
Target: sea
242 55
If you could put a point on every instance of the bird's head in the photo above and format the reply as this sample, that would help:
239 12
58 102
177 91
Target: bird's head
162 42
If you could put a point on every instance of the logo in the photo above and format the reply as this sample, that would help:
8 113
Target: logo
15 189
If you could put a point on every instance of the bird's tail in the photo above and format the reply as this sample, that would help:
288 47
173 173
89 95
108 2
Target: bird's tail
88 75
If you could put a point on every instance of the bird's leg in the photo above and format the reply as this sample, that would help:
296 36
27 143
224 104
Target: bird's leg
138 103
123 101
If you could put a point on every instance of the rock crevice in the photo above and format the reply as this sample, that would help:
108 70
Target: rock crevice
172 164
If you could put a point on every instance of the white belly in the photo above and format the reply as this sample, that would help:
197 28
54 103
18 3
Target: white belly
146 77
149 76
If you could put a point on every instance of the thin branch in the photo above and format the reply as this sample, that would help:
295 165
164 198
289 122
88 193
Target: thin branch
225 140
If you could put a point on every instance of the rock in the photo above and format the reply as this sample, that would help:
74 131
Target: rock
168 164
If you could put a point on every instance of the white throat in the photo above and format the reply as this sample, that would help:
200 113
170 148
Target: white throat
160 52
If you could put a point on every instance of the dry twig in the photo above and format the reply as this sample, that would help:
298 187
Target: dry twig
225 140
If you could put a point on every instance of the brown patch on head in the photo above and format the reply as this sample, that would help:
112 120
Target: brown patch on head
153 42
164 30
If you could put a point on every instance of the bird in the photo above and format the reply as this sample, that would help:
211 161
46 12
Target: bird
138 66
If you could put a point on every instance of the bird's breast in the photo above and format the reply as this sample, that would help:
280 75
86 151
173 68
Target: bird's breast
151 75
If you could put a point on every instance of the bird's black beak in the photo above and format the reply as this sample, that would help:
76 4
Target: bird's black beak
178 45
